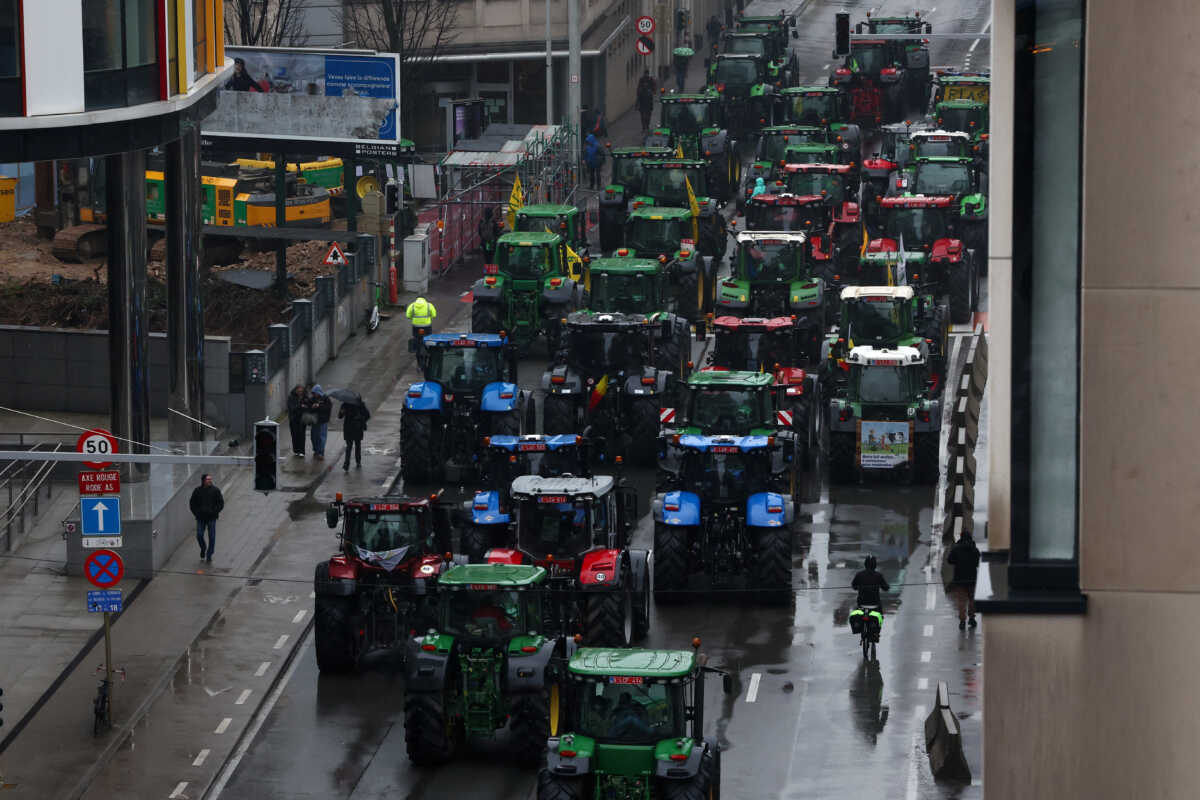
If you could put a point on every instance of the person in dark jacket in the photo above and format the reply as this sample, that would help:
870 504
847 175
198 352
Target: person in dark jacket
714 30
593 156
489 231
868 582
322 407
206 505
297 399
645 100
241 80
964 557
355 416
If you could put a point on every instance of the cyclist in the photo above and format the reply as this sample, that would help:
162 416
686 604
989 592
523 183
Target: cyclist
868 582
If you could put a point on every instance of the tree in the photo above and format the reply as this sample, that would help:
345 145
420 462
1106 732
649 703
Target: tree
265 23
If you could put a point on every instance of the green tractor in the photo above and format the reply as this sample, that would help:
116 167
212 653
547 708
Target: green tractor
739 403
819 105
747 95
884 417
634 728
776 28
963 115
485 665
770 154
962 179
527 291
668 235
689 124
780 65
666 185
973 86
913 53
617 198
629 284
558 218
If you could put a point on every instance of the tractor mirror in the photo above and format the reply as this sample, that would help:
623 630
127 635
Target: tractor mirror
331 516
795 34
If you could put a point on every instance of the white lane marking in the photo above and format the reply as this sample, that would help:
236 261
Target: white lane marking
179 789
912 791
926 656
203 754
752 692
922 684
311 595
242 698
299 616
975 43
281 641
930 597
825 67
928 630
391 478
262 669
224 726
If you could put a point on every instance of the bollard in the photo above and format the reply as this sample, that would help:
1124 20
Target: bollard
943 740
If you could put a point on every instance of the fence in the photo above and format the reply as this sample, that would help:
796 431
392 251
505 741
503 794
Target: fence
21 483
959 505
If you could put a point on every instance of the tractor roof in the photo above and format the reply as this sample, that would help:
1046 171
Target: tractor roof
772 237
972 77
917 201
642 152
529 238
968 104
723 444
936 135
787 199
731 377
393 504
758 324
809 147
534 442
885 356
451 339
660 212
676 163
566 487
623 264
810 90
688 97
595 662
491 576
867 43
790 130
736 57
746 34
964 160
546 210
829 169
869 293
607 319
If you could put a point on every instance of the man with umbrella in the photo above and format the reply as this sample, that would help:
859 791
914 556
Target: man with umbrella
354 412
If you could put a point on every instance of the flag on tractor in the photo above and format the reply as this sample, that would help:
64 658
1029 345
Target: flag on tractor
679 150
574 264
695 208
516 201
598 393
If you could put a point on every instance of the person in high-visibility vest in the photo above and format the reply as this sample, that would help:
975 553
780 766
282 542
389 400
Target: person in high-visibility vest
420 313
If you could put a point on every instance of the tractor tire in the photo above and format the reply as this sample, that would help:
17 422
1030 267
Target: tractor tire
926 464
418 458
609 616
558 787
529 724
962 293
691 303
719 175
670 561
506 423
700 786
554 336
841 457
558 414
641 609
429 733
334 635
773 563
485 318
476 540
643 430
530 416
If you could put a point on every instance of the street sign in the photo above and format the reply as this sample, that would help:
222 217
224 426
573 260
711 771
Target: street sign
644 25
644 45
104 601
335 257
97 442
100 516
100 482
103 569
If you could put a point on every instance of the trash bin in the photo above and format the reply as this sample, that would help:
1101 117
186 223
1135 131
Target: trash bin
8 199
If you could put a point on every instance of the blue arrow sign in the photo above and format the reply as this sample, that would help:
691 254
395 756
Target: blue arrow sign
104 600
100 516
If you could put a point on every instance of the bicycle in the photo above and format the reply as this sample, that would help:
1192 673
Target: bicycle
867 622
101 710
373 320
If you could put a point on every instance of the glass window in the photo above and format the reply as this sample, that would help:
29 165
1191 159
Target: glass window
101 35
628 710
140 45
10 39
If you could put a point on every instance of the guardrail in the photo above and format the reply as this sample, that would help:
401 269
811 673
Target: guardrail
34 476
959 506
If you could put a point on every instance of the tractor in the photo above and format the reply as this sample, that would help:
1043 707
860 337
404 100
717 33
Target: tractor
565 220
469 391
819 105
628 284
609 379
873 80
885 417
944 144
634 728
973 86
724 510
837 183
834 244
578 529
963 179
963 115
778 63
665 185
617 197
912 53
892 152
667 234
769 153
486 664
527 291
689 125
377 587
747 97
776 28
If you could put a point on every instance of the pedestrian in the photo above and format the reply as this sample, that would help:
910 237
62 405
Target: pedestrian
645 100
759 187
488 232
206 505
714 30
680 74
241 81
593 156
356 416
320 405
964 557
420 313
296 401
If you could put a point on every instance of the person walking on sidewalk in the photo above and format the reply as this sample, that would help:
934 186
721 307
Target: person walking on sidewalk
645 100
593 156
356 416
322 407
296 401
714 30
964 557
206 505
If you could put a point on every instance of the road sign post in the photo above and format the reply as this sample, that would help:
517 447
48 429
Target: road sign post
644 25
104 570
644 45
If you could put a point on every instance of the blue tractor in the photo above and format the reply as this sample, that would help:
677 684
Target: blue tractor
723 510
505 458
469 392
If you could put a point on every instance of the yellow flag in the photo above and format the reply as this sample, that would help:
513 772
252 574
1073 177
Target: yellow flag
574 264
598 393
516 201
679 150
695 208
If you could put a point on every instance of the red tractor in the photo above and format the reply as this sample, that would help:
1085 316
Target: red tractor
834 242
873 80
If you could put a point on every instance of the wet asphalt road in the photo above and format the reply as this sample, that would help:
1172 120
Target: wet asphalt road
807 718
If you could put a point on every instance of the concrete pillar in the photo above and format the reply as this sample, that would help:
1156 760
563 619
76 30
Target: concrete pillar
128 325
185 309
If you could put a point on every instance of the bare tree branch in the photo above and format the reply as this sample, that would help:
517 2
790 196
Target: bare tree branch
265 23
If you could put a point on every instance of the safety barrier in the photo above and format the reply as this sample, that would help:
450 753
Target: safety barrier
958 508
943 740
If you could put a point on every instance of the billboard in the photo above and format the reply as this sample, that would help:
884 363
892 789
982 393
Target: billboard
883 445
348 98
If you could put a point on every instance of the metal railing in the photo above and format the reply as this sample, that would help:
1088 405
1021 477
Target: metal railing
30 477
958 508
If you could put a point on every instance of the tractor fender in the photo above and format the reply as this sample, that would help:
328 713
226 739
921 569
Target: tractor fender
601 569
760 513
500 397
423 396
572 383
569 765
716 143
485 510
502 555
562 294
427 668
686 266
634 388
343 579
482 291
613 198
667 769
639 569
527 671
686 510
848 213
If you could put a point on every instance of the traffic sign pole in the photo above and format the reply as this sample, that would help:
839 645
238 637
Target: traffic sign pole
108 670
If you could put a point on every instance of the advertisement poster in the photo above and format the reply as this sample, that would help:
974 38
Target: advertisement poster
883 445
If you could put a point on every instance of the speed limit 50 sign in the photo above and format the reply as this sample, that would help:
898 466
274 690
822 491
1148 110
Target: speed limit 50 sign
97 442
644 25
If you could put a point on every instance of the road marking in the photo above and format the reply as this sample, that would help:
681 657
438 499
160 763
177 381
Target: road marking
311 595
930 597
242 698
262 669
825 67
392 476
975 43
922 684
912 791
224 726
281 641
752 692
929 630
299 616
199 762
179 789
926 656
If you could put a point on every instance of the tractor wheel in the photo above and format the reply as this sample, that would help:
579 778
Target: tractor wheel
529 724
773 563
691 299
476 540
609 621
643 431
558 787
670 561
699 786
429 733
720 175
335 638
530 416
558 414
926 460
641 609
417 459
841 457
962 293
506 423
485 318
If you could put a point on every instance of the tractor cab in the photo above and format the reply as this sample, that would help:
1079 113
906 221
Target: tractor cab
939 176
754 343
834 182
774 26
872 78
884 383
723 402
562 518
664 183
485 605
684 117
962 115
532 255
973 86
942 144
468 363
626 181
770 276
655 231
768 49
736 76
389 537
813 105
721 469
629 285
564 220
788 212
918 220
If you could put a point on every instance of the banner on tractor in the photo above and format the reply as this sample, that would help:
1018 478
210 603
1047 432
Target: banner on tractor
883 445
